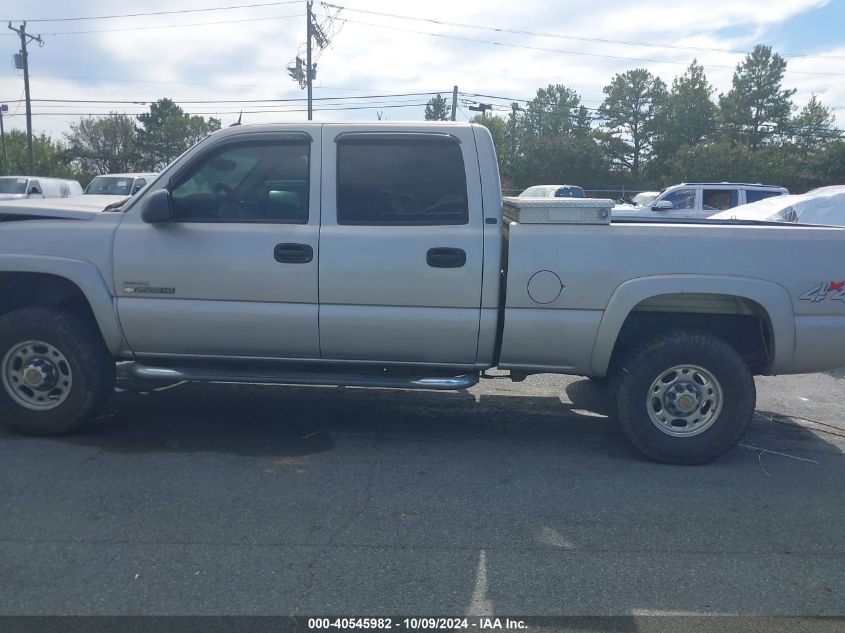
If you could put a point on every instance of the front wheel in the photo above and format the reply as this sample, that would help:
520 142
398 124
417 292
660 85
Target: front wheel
684 397
55 371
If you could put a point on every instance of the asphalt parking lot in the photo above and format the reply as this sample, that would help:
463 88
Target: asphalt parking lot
507 499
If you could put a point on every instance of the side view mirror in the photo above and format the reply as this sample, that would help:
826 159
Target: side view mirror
663 205
34 190
155 208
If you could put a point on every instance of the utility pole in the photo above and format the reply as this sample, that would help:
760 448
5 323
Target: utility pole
25 39
514 110
454 102
305 73
3 108
308 70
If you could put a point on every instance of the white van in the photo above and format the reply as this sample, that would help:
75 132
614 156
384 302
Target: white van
18 187
699 200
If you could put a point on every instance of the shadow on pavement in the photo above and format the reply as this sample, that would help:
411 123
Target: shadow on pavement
292 421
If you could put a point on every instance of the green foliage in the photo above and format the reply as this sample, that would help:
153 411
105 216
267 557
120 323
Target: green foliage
756 108
49 156
687 114
104 145
554 141
437 109
631 102
167 131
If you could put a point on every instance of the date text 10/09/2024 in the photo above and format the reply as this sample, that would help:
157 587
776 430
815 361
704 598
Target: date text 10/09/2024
416 624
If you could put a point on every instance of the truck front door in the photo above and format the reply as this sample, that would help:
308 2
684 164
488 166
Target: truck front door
235 271
401 248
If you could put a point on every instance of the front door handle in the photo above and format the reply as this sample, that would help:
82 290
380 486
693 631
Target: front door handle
446 257
293 253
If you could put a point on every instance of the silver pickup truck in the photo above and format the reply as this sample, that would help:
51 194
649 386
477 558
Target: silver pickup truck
379 255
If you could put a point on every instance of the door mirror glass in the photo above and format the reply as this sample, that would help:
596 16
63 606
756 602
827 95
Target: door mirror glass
155 208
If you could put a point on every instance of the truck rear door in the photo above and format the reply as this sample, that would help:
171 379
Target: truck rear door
401 248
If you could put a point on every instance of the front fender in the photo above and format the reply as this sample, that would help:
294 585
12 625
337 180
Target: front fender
773 298
87 278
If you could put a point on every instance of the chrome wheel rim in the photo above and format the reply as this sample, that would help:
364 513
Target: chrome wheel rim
684 401
36 375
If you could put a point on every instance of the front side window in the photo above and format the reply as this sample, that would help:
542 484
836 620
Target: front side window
719 199
397 182
681 199
246 182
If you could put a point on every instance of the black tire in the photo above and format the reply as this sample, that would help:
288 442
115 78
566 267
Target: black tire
92 369
633 380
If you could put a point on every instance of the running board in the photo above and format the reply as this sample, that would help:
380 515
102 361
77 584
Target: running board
168 374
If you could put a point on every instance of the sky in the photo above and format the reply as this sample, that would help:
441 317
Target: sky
241 53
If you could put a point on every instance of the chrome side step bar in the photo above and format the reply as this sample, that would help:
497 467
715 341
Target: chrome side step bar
169 374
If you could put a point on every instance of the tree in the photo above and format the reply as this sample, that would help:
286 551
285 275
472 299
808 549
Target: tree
167 131
756 107
49 156
104 145
554 143
812 129
629 107
687 115
437 109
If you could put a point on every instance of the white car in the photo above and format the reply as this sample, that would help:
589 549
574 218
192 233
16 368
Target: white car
698 200
644 198
825 205
553 191
118 184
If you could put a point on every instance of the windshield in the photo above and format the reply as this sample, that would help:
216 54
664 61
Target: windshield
13 185
110 186
644 198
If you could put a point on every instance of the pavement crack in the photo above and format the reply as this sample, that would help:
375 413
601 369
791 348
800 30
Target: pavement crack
360 510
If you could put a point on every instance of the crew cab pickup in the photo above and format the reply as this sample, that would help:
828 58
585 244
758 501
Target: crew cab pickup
379 255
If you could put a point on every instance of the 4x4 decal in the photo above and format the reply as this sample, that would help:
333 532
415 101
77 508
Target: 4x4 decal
833 290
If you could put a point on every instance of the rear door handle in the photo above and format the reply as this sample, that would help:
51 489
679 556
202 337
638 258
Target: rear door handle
443 257
293 253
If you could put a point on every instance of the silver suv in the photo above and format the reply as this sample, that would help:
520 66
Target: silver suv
700 199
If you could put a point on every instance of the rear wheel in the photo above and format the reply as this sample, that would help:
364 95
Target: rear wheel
55 372
684 397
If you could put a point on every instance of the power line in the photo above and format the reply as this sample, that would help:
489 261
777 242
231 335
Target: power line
498 29
565 52
138 15
173 26
180 101
376 106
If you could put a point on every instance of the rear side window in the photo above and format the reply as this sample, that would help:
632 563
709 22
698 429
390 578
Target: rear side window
719 199
753 195
393 182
